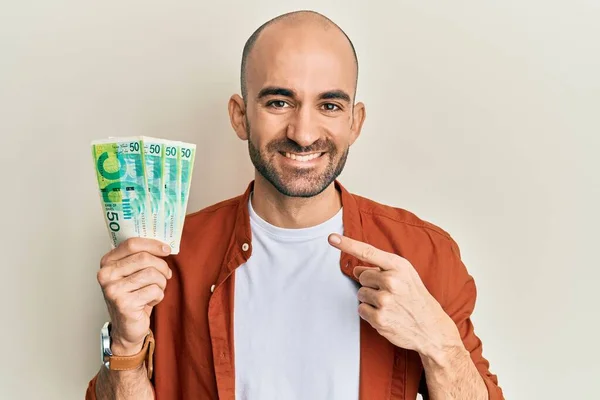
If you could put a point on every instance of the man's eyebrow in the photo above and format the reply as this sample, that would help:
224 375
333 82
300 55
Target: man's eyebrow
335 95
275 91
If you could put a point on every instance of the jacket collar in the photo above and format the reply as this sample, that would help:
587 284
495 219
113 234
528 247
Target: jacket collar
240 243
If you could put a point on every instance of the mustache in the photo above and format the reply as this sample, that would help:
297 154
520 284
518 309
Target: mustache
289 146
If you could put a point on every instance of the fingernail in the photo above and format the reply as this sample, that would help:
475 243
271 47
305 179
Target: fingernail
166 249
170 273
335 239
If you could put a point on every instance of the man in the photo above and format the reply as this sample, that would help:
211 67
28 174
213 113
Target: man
296 289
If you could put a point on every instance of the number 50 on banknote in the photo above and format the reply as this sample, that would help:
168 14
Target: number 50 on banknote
144 185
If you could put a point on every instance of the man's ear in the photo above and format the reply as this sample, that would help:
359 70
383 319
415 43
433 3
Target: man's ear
358 118
237 116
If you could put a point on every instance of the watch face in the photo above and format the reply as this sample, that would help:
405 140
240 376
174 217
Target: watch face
105 352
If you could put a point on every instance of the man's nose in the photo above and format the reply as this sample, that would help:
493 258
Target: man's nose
303 128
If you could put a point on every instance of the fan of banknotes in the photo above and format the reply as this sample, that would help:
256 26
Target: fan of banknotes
144 185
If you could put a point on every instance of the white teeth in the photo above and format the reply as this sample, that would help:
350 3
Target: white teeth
305 158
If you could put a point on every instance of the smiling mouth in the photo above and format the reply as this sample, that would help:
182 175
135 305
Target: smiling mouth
302 157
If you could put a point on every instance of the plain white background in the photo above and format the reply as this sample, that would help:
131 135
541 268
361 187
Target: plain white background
483 118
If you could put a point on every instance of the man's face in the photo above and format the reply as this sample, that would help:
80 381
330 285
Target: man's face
299 110
295 170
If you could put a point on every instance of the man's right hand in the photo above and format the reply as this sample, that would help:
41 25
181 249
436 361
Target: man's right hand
133 279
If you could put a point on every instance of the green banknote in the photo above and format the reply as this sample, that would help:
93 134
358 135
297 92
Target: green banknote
154 157
121 175
187 156
171 207
144 187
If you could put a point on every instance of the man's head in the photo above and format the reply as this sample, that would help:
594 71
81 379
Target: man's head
298 77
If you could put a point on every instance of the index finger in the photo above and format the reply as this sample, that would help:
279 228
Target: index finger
363 251
137 245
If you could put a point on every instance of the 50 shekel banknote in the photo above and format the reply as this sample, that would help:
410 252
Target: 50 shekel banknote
144 186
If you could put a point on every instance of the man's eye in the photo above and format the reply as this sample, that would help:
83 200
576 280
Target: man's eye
330 107
277 104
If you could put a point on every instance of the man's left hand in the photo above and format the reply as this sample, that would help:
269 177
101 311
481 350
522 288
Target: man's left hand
397 304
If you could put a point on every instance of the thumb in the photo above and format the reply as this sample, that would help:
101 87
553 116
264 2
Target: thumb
360 269
148 307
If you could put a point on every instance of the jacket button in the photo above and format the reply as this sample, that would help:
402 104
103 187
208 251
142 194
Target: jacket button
245 246
212 288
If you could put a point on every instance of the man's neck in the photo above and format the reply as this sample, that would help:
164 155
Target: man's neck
293 212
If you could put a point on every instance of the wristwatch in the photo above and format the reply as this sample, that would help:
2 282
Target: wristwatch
126 363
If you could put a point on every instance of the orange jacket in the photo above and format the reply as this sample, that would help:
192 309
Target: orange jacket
193 325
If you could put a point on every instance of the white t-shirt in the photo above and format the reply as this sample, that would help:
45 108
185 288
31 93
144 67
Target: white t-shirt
296 322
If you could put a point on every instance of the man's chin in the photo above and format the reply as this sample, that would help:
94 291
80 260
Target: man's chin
300 186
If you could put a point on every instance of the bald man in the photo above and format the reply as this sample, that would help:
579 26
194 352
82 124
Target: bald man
297 289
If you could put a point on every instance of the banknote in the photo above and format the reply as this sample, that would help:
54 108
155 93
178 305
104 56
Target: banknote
144 185
187 156
171 203
121 175
154 158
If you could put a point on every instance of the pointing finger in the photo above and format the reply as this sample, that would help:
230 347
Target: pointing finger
363 251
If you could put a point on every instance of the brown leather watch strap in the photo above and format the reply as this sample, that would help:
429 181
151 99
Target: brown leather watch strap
127 363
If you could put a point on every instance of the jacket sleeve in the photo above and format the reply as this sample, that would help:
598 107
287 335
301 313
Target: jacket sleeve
459 303
90 393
